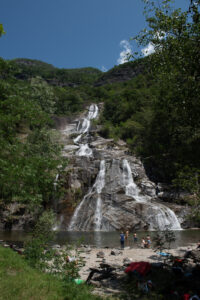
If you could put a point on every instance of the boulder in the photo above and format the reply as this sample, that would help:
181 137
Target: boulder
100 254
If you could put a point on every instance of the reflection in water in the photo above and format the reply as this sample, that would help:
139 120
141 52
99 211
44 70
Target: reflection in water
98 238
103 239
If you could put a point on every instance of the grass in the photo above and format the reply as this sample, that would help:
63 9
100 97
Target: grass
19 281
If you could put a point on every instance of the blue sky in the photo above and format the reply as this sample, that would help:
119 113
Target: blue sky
71 33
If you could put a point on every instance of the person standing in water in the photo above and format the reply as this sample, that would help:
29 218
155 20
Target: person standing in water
143 243
135 239
126 237
122 238
148 241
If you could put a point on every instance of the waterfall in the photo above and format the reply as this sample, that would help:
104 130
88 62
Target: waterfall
163 217
83 128
85 125
105 206
98 214
56 182
84 150
130 187
160 216
93 111
99 185
80 220
75 218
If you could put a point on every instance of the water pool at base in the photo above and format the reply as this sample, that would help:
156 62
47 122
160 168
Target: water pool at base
104 239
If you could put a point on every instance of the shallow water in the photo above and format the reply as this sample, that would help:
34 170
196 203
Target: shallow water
105 239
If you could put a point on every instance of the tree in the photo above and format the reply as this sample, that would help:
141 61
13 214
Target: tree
1 30
173 137
42 234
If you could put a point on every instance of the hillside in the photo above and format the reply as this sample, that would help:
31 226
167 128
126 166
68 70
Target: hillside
122 73
141 105
28 68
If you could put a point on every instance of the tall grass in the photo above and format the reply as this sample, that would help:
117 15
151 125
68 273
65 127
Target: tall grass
18 281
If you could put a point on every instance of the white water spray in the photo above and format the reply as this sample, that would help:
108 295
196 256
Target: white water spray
160 216
79 220
83 128
130 187
84 150
99 185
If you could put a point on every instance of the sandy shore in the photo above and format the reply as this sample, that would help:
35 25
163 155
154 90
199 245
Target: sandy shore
135 254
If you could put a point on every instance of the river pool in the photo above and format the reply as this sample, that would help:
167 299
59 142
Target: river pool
104 239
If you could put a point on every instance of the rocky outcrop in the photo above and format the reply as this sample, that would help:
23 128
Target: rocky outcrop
106 188
105 195
15 216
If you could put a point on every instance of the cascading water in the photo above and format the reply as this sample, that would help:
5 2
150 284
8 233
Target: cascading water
56 181
83 128
81 221
108 204
99 185
75 218
131 188
159 216
85 125
162 217
98 214
93 111
84 150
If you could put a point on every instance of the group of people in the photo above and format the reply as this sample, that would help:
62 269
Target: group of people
146 243
124 238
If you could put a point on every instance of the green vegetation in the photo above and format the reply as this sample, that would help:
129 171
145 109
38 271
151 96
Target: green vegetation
152 103
36 246
30 149
28 68
19 281
30 155
1 30
163 239
157 112
40 255
42 272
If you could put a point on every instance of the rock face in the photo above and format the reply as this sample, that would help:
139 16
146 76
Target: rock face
15 216
121 73
106 188
112 191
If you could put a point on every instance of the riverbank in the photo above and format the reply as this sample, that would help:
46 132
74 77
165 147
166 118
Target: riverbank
117 257
108 277
109 264
21 282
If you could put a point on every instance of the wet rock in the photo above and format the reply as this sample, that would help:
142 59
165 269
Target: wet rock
100 254
126 261
115 252
119 209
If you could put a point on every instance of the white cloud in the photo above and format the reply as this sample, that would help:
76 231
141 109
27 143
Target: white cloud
160 35
125 53
104 69
149 49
